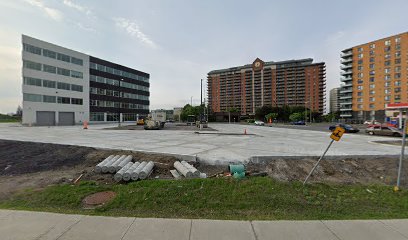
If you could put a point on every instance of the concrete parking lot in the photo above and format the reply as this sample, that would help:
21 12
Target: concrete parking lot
219 147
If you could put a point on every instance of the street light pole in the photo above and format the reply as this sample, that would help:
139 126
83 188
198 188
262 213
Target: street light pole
191 100
120 102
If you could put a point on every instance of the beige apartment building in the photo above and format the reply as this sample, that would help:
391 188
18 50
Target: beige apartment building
373 75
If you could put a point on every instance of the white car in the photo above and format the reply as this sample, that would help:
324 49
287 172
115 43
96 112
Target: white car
372 122
259 123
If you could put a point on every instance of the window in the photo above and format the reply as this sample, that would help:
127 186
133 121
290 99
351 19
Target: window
100 79
63 57
387 84
371 105
32 97
64 86
397 90
359 62
92 78
97 116
372 46
397 75
387 49
387 77
387 98
397 83
359 100
372 99
398 61
49 53
398 47
398 39
77 88
387 63
109 70
117 72
49 99
360 49
63 71
32 81
397 97
49 84
109 104
49 69
109 92
397 69
100 67
360 106
359 68
360 55
77 61
116 83
372 86
76 74
387 91
64 100
93 90
387 70
371 52
372 92
32 49
372 59
397 54
32 65
360 87
372 79
116 93
92 65
372 72
360 75
109 81
100 91
387 42
387 56
372 66
76 101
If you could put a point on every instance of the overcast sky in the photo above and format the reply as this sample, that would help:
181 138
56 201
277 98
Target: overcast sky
179 41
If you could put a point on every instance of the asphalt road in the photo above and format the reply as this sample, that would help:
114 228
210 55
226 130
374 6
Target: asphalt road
321 127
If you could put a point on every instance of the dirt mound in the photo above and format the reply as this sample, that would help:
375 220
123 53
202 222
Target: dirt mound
28 157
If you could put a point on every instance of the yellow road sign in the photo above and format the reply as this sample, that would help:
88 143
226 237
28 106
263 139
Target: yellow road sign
337 133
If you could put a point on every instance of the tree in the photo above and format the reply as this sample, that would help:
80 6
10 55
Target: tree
294 117
19 111
271 116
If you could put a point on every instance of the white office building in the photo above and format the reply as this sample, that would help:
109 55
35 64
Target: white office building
66 87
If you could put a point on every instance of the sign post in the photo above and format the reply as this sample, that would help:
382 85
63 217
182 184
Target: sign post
404 133
335 136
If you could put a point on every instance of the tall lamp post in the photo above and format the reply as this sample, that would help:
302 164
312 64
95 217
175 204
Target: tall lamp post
306 112
120 103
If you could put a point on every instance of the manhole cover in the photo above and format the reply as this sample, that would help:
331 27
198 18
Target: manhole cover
98 199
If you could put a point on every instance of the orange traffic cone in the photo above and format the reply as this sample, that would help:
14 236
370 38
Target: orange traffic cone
85 124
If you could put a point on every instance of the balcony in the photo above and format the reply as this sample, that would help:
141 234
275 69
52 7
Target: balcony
346 60
346 79
346 54
344 91
346 72
345 67
346 97
346 85
346 115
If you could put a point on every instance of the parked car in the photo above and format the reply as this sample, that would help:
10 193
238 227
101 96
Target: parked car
348 128
372 122
259 123
384 131
301 122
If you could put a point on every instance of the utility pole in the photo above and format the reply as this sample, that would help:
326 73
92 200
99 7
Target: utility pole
191 100
201 101
120 102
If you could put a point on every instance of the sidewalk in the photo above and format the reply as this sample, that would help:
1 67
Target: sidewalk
15 225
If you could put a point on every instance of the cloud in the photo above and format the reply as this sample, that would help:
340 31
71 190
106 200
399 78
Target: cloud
50 12
78 7
133 30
